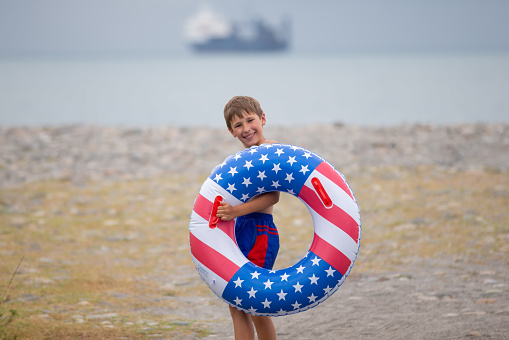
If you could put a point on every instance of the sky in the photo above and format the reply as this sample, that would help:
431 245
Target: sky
31 27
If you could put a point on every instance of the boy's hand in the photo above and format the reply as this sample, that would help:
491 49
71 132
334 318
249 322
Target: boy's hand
226 212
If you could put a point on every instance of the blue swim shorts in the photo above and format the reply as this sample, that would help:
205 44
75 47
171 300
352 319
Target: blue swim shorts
257 238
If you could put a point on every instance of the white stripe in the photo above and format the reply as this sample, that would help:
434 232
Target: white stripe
334 235
338 196
211 189
216 239
215 282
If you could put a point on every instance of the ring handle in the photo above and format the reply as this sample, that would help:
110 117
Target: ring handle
213 215
321 192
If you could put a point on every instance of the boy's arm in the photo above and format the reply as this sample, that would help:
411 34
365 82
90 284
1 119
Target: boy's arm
228 212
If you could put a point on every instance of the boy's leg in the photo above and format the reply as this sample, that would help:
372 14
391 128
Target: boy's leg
242 325
264 327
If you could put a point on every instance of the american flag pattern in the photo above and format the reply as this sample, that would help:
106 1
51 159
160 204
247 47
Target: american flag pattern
337 231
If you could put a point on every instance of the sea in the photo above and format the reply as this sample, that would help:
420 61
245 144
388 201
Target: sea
294 89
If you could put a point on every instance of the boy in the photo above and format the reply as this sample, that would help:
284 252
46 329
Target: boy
245 120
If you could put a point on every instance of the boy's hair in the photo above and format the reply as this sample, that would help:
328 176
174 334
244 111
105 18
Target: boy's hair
240 105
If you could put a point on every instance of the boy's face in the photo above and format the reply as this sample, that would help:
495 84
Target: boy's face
248 129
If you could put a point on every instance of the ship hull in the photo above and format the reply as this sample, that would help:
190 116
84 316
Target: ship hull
230 45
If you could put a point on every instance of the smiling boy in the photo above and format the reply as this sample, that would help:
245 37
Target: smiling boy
255 232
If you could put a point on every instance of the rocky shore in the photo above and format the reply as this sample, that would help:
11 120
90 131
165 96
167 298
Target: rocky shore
84 153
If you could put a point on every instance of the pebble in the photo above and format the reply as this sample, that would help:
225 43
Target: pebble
484 301
78 318
101 316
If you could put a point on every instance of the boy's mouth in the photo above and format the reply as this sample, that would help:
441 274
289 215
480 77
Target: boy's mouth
250 136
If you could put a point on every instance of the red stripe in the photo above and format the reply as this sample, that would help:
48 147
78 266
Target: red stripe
328 171
268 232
334 215
228 227
264 228
258 253
212 259
203 207
330 254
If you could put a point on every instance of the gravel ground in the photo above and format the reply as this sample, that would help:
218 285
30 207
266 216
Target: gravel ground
82 153
446 298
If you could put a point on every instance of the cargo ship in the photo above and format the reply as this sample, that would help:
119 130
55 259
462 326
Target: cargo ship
209 32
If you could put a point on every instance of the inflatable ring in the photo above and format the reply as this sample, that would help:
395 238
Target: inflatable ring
336 220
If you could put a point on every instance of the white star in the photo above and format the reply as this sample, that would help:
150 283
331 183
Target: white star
276 167
272 271
223 164
237 156
315 261
291 160
312 298
260 190
268 284
237 301
255 274
282 295
252 310
291 192
279 152
304 169
307 155
296 305
238 283
295 147
289 177
281 312
233 171
327 290
330 272
261 175
253 150
247 181
276 184
248 165
218 177
300 269
264 158
314 279
284 277
231 187
298 287
244 197
266 303
252 293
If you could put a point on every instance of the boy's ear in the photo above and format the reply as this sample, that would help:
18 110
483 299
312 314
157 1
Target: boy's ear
263 119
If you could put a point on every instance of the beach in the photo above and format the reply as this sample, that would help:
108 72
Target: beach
100 214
